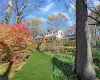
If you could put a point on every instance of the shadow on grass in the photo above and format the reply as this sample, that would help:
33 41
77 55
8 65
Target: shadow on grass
66 68
6 74
6 49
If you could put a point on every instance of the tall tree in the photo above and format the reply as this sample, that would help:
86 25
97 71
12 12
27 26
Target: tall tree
35 26
57 21
7 17
17 10
84 62
24 8
71 29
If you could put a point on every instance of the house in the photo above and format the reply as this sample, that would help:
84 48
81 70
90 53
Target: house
50 34
71 37
55 33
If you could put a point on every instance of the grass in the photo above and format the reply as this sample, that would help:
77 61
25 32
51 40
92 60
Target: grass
63 67
38 67
3 68
96 59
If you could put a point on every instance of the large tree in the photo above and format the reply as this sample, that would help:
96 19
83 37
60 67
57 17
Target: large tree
8 13
57 21
84 62
34 26
71 30
24 8
17 10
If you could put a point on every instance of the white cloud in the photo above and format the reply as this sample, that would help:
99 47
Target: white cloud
72 7
70 23
65 14
43 19
30 17
96 2
48 7
56 12
89 11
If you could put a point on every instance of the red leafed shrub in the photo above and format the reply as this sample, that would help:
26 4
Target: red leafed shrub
20 28
15 42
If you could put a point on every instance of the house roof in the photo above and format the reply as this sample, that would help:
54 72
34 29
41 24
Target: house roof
38 36
56 33
71 36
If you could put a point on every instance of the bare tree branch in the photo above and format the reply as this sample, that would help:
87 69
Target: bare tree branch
93 18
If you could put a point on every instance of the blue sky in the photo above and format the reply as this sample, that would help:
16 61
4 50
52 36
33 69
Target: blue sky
52 7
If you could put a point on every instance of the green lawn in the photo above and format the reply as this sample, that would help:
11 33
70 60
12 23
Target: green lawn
38 67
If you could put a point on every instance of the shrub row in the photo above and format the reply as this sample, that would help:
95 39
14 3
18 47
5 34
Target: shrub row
98 43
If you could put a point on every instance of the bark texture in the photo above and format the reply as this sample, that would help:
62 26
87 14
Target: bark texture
17 20
84 62
7 18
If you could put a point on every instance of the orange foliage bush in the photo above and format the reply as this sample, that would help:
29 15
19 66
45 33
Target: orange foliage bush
15 42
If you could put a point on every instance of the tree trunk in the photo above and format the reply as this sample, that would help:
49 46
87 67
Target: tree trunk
84 67
92 34
17 20
7 18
